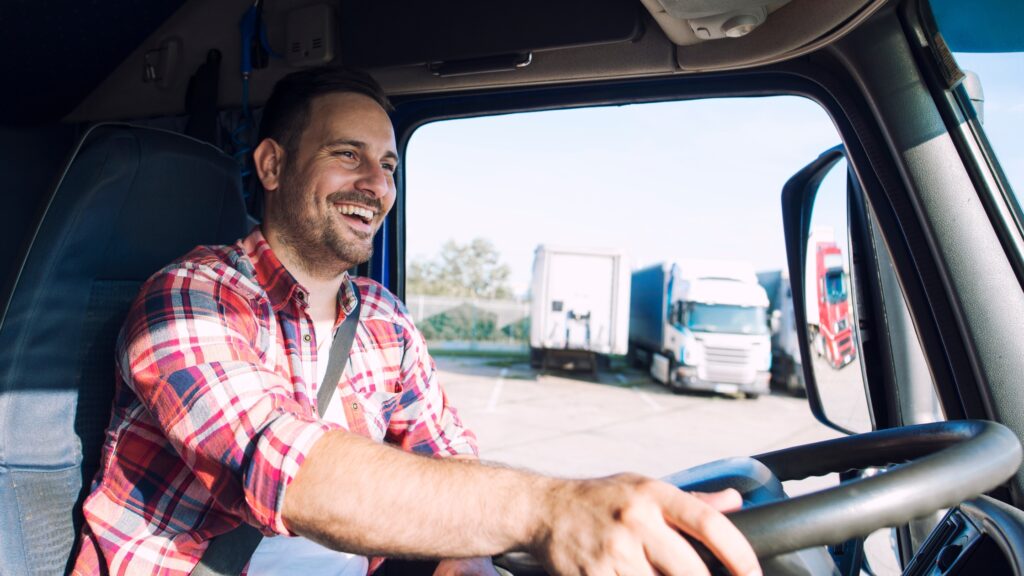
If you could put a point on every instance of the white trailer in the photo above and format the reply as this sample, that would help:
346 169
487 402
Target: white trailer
579 306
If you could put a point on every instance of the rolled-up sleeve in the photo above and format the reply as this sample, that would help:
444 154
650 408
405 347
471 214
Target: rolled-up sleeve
196 355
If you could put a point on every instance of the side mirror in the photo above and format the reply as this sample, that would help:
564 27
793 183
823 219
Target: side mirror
816 221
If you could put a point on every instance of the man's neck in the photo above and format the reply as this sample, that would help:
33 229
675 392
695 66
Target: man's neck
323 291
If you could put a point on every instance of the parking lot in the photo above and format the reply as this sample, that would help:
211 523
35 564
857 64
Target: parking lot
572 424
576 425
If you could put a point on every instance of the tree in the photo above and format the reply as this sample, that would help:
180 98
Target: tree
464 322
471 270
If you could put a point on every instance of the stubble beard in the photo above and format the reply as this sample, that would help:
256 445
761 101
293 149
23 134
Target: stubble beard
312 235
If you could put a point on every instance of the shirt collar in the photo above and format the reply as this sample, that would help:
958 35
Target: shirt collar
281 287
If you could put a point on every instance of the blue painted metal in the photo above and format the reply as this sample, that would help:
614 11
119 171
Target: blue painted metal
981 25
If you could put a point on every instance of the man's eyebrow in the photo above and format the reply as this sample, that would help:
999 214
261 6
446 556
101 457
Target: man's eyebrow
358 144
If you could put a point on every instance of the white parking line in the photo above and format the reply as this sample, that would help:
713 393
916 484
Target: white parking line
492 403
648 400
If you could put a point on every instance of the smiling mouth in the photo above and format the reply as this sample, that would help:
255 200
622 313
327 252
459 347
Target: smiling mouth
365 215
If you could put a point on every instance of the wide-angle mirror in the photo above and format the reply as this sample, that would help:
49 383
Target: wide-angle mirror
829 301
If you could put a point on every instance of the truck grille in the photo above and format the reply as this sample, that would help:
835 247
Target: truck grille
728 356
845 345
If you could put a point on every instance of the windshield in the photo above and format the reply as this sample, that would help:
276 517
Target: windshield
727 319
835 287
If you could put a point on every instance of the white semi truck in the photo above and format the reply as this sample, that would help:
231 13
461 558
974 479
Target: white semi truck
579 306
701 326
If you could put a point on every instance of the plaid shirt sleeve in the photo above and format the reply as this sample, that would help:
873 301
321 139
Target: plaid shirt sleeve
424 422
195 353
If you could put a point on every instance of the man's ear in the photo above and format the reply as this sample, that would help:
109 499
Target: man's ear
268 160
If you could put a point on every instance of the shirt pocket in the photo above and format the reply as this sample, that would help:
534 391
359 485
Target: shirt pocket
376 378
379 406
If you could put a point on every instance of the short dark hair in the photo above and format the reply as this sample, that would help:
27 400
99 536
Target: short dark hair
286 113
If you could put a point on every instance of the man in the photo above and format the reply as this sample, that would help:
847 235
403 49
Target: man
219 364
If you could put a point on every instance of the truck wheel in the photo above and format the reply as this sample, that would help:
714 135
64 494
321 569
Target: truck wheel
795 382
674 385
536 358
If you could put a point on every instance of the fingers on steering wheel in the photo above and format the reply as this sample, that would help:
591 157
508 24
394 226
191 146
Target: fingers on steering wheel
724 501
671 555
700 520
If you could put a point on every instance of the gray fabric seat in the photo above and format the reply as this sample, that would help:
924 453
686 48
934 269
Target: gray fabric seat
130 201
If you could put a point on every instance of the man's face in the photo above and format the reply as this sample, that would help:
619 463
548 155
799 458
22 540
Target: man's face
337 186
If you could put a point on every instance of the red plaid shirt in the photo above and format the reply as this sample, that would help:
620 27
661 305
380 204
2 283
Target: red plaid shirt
215 407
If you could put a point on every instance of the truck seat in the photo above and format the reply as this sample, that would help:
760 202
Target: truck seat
130 200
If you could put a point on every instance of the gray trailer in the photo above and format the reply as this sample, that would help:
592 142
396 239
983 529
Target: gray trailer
787 369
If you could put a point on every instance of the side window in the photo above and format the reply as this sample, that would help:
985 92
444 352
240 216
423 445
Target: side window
994 89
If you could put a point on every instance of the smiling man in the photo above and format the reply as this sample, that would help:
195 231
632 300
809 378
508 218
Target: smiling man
216 423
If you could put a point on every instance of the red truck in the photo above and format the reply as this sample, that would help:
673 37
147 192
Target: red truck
828 302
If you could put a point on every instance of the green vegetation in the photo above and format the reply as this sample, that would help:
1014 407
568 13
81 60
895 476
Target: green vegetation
471 270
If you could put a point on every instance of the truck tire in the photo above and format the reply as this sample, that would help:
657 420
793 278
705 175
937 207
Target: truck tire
633 357
536 358
672 384
795 382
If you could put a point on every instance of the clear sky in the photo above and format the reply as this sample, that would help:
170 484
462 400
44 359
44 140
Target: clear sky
669 181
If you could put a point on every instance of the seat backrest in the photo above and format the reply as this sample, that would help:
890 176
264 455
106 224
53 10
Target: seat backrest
130 201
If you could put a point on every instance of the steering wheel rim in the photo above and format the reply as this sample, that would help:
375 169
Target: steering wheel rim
978 454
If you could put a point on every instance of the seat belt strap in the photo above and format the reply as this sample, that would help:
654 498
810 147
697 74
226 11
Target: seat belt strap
227 554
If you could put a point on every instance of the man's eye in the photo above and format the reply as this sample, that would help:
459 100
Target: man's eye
346 154
389 167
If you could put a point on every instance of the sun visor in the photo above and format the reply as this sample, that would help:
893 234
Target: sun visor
459 30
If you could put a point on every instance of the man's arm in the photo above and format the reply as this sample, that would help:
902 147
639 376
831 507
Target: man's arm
408 505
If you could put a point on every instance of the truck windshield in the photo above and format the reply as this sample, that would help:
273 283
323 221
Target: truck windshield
726 318
835 287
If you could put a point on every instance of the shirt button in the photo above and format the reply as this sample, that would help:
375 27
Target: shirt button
307 338
355 406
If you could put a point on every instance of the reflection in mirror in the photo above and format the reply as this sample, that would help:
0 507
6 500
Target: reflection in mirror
829 304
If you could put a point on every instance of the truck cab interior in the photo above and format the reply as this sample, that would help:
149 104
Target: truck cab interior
124 138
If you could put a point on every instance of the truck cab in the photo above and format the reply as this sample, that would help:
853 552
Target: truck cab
834 326
935 285
702 326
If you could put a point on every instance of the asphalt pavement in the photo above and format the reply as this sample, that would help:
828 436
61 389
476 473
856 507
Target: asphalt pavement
577 424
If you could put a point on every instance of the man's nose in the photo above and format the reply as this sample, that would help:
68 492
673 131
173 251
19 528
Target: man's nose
374 179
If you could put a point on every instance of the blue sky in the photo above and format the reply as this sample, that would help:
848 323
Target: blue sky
699 179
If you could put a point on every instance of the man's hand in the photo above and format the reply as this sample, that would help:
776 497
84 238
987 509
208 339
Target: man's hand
629 524
466 567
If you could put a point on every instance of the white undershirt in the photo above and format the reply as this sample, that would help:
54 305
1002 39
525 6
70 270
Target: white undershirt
296 555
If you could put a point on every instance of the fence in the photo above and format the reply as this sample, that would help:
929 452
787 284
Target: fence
466 323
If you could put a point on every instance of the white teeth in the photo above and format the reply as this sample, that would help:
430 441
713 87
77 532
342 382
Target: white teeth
348 209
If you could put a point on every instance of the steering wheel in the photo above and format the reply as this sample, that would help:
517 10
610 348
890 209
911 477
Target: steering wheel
930 467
